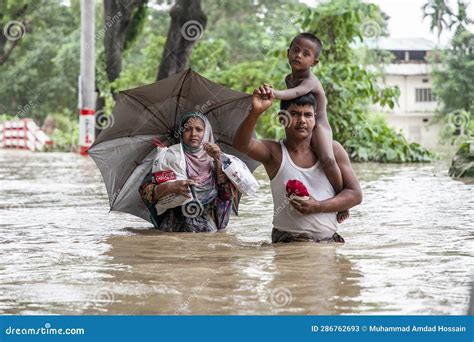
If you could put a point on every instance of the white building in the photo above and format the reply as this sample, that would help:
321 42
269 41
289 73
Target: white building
411 72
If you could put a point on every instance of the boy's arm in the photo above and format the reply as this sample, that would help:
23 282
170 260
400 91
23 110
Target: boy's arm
350 196
259 150
310 84
306 86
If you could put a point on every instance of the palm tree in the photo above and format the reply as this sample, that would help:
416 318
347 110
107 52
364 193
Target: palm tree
461 19
440 14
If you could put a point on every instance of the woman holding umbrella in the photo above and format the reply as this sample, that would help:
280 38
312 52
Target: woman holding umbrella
210 186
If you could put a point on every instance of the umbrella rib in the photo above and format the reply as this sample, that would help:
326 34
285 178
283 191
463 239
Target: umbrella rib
188 71
147 108
225 103
128 177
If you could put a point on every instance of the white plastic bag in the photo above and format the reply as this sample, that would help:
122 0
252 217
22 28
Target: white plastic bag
239 174
169 166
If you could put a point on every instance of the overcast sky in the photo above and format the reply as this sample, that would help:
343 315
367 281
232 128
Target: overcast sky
406 18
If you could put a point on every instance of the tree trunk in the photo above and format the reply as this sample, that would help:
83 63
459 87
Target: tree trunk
187 25
117 16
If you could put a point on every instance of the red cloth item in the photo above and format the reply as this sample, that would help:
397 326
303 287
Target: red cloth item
296 188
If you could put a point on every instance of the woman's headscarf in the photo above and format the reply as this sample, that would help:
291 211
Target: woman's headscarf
198 163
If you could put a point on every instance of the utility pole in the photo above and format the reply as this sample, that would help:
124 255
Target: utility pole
86 91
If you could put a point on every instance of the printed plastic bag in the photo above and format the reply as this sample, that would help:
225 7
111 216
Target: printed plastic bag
169 166
239 174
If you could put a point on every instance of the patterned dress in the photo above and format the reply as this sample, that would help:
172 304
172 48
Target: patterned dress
215 215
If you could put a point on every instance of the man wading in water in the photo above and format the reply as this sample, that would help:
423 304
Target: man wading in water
291 161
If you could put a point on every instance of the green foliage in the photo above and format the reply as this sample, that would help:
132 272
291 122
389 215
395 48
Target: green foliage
454 88
66 134
41 73
373 140
453 81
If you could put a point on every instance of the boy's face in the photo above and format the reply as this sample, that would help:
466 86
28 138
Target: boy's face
302 122
302 54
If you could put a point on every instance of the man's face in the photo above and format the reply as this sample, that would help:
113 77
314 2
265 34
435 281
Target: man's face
302 54
302 121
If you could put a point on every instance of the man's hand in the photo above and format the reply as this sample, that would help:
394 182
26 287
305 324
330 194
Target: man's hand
262 99
310 206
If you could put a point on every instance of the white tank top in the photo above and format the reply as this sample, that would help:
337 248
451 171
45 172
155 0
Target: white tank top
288 219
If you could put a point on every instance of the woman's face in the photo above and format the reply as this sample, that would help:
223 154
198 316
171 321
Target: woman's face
193 132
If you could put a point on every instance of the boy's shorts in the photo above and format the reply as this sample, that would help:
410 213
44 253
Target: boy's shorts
281 236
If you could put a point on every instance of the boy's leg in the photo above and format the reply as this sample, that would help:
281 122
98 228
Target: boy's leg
322 145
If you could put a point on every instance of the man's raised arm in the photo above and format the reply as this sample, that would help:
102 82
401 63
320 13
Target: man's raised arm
243 140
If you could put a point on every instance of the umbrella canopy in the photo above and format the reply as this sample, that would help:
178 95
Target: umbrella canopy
124 151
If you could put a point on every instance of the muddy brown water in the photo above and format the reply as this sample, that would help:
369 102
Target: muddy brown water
409 250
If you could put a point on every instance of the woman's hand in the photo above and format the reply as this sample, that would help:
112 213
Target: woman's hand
213 150
181 187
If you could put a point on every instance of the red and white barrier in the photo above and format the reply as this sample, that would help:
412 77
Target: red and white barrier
23 134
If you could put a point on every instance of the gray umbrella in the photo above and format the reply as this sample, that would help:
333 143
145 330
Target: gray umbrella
125 150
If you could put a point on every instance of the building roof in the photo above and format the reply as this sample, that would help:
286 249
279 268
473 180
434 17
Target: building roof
401 44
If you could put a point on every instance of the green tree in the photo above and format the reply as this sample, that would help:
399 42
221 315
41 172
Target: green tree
439 13
40 76
460 20
454 87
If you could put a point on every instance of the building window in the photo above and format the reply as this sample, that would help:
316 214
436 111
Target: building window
399 55
417 55
424 95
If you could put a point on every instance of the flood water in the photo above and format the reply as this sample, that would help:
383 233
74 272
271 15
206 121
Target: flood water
409 249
